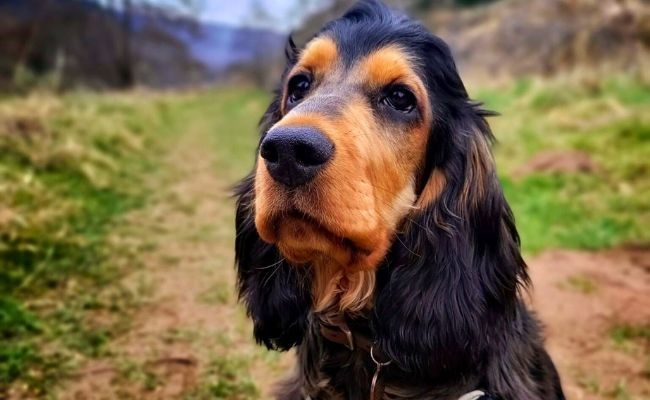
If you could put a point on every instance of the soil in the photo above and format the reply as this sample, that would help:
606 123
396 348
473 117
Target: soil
559 162
191 317
581 298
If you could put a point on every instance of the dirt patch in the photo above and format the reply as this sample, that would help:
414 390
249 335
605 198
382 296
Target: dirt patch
588 301
559 162
189 338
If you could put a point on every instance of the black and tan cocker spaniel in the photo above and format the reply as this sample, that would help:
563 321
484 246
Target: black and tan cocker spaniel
373 234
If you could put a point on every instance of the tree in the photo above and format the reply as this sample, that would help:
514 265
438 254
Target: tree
94 44
127 63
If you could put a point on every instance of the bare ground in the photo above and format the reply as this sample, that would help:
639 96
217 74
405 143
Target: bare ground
191 320
584 299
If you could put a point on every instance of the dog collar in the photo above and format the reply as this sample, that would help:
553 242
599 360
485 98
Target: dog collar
336 330
475 395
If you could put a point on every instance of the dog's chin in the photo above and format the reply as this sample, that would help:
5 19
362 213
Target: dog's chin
302 240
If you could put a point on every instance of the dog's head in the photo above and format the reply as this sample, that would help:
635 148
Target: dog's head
372 142
344 148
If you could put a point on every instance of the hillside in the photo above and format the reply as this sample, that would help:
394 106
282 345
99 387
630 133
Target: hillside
160 49
509 38
546 37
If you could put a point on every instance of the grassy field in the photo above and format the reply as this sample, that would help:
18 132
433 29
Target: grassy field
69 169
75 169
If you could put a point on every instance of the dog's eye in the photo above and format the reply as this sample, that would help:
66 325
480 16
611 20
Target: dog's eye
399 98
298 88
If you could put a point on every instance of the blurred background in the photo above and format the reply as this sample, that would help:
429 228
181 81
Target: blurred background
124 124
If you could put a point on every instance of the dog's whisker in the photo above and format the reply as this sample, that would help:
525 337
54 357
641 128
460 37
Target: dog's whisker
273 273
272 265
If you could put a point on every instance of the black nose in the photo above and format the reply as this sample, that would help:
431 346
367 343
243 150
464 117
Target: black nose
294 155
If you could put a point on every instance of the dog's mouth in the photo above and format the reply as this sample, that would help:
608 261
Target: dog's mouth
304 238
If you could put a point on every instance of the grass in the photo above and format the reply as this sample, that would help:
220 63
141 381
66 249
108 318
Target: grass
224 380
581 284
624 335
69 168
606 118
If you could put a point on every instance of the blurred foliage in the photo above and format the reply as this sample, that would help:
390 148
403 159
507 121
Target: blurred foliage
224 380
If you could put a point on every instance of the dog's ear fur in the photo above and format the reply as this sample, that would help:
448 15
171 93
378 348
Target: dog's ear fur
276 294
456 269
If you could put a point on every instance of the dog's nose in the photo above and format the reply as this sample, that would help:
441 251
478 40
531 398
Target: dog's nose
293 155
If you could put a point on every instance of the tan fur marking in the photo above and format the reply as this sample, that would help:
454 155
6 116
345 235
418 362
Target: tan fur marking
479 168
432 190
333 287
320 56
389 65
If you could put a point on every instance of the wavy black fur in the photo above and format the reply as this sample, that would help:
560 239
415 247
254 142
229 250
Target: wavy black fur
448 308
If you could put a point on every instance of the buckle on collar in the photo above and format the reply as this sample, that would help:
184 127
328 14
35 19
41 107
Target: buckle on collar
348 335
475 395
339 333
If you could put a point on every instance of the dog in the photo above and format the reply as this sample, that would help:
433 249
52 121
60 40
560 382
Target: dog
373 235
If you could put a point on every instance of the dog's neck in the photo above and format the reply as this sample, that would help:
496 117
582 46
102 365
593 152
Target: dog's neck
335 289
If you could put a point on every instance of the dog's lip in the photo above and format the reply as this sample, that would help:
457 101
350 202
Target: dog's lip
339 239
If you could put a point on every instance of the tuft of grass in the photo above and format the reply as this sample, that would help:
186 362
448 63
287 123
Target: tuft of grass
620 391
581 284
589 382
219 293
226 378
624 334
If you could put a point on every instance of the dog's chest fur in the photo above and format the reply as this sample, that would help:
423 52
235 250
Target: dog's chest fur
331 371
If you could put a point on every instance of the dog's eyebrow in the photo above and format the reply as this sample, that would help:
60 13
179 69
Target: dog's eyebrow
387 65
319 56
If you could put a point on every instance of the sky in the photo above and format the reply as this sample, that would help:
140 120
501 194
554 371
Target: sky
285 14
280 15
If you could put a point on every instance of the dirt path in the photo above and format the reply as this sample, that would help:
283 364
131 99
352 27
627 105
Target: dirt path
189 340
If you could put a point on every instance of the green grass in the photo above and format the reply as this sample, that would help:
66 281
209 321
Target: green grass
622 335
608 119
224 380
581 284
69 168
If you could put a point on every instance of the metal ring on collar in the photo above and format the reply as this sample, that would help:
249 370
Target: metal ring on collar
372 355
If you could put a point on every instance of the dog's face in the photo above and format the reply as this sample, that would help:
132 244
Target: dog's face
373 156
337 173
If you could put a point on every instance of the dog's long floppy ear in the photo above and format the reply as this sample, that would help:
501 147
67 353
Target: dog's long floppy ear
457 268
273 291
